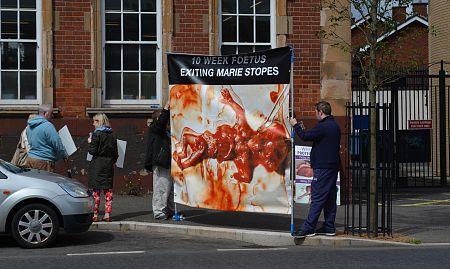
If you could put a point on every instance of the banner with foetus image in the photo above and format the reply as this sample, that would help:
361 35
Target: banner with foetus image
230 130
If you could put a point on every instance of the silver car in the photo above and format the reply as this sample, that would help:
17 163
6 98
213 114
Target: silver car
35 204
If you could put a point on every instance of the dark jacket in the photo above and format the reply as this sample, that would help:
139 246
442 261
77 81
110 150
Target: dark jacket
103 148
158 143
326 138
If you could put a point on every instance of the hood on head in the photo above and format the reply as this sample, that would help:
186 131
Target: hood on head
36 121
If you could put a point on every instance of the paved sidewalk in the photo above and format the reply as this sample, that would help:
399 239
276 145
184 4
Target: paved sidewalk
421 214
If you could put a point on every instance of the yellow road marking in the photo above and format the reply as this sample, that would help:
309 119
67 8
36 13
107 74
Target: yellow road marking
418 199
430 202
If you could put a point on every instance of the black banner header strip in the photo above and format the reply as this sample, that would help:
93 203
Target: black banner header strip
262 67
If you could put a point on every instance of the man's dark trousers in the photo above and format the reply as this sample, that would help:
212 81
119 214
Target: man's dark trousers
323 196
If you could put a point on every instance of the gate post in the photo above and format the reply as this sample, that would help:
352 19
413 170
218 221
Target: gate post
442 126
394 110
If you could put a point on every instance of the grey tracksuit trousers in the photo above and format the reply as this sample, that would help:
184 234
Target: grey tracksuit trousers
162 201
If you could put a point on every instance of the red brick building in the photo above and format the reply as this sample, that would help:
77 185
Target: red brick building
89 56
404 47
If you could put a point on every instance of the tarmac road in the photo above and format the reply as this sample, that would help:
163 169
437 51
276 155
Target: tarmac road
107 249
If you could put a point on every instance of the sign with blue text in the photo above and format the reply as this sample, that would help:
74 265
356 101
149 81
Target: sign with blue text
304 177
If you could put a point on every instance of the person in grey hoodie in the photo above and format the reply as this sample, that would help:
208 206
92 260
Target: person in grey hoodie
45 144
158 161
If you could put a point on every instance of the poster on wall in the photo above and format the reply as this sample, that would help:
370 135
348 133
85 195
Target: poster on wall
230 130
304 176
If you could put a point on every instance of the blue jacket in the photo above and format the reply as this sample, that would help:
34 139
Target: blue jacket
326 138
45 143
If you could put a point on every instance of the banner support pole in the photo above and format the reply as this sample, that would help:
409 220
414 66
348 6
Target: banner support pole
292 143
177 216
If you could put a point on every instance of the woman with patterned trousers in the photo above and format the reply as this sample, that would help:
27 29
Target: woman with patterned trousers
103 148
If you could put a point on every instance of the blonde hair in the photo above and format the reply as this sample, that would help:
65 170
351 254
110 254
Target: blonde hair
102 119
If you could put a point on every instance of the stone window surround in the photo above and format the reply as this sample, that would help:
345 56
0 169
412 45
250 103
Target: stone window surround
11 105
134 103
272 27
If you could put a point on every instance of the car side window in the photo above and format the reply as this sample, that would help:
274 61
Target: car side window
3 176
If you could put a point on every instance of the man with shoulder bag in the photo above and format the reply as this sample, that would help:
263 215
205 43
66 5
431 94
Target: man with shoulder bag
21 154
46 147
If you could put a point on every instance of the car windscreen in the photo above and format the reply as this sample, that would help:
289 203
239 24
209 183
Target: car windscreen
12 168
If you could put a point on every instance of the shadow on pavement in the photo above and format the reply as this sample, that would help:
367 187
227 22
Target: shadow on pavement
430 192
82 239
130 215
65 240
244 220
6 241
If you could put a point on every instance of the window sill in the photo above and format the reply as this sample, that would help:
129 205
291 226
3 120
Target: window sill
120 111
25 110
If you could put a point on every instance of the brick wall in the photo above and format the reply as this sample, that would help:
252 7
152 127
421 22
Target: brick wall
189 33
439 11
306 24
409 48
357 37
406 48
132 130
72 55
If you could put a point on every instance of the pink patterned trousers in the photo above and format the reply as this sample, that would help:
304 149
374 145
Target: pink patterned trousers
108 201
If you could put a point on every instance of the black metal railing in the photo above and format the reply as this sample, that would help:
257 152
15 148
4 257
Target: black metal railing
421 152
360 193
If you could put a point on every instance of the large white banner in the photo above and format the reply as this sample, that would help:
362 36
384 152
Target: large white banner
230 142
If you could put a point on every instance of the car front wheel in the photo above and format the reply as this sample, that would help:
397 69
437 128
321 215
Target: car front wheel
34 226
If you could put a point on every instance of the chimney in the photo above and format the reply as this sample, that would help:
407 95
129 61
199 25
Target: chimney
420 9
399 14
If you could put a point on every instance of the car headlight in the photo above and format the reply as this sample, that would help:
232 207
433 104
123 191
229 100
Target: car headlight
74 190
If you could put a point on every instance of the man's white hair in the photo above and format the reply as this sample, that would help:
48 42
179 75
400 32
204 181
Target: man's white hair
42 109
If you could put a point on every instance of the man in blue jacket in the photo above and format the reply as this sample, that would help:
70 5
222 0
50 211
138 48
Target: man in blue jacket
325 161
45 144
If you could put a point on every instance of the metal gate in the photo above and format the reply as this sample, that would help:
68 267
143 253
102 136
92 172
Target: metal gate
421 107
359 190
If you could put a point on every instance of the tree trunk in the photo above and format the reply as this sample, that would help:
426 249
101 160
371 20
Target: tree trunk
373 203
